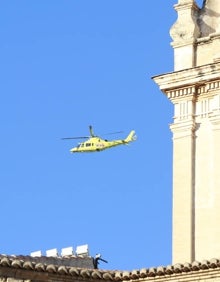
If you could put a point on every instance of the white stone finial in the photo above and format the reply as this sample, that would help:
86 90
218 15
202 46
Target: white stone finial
186 27
184 33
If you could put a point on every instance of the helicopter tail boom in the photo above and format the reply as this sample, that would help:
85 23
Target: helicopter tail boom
131 137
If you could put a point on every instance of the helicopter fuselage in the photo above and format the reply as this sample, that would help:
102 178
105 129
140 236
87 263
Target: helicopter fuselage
96 144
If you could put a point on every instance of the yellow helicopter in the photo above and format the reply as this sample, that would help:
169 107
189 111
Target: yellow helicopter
96 144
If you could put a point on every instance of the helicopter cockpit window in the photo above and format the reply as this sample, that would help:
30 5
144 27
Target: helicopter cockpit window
88 144
82 145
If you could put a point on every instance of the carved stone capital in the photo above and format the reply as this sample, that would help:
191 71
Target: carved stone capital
183 129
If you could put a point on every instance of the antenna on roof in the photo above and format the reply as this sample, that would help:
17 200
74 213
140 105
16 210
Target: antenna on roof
96 260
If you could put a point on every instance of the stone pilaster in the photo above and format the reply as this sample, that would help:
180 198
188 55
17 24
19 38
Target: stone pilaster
183 129
183 191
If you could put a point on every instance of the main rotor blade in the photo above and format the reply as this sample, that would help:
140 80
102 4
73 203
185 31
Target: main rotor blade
82 137
116 132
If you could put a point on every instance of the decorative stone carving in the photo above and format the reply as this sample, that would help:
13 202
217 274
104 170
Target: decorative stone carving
185 28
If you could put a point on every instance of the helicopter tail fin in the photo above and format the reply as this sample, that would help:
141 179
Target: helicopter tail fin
131 137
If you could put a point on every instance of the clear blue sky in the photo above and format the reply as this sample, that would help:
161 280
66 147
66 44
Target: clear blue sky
66 65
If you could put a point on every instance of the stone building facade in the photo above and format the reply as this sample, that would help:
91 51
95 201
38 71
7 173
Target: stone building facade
194 90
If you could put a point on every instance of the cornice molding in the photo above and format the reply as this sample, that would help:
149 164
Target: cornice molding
193 77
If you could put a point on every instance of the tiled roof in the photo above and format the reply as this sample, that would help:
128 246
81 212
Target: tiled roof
68 261
114 275
72 260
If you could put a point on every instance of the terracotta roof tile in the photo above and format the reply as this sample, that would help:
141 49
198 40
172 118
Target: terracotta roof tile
17 263
96 274
169 270
195 265
74 271
5 261
107 276
135 274
28 265
62 270
51 268
40 267
143 273
214 263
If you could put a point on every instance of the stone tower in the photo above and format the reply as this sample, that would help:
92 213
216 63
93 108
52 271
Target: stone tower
194 90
